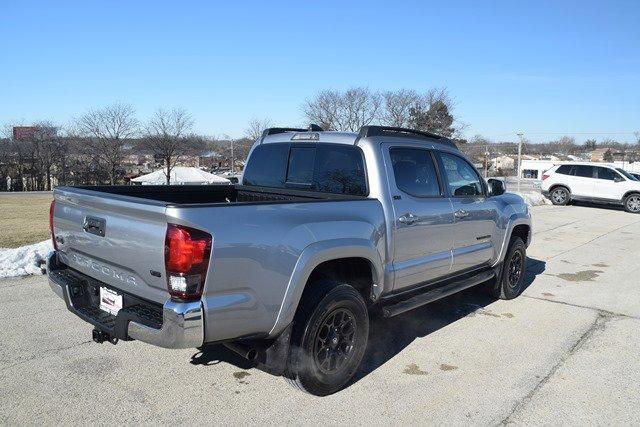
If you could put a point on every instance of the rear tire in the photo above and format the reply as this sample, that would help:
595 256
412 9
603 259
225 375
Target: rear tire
632 203
560 196
329 338
510 284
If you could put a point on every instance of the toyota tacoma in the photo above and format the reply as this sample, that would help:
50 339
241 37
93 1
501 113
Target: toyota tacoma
285 268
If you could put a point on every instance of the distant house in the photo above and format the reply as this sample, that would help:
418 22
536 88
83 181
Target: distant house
598 154
551 157
503 163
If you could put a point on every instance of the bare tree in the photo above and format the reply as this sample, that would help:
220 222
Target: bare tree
166 135
255 128
346 111
108 129
349 110
398 105
45 151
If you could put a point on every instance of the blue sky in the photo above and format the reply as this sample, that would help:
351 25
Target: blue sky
543 66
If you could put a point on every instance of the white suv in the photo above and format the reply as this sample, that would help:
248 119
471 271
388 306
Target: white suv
599 183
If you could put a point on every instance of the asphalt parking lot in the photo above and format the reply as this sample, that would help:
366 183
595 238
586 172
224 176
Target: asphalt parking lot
567 351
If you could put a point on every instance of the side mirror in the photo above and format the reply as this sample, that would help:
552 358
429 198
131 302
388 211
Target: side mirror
496 187
618 178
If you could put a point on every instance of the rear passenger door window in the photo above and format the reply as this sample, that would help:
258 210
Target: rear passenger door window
340 170
414 172
461 178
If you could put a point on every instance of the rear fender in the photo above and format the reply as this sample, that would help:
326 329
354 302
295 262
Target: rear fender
314 255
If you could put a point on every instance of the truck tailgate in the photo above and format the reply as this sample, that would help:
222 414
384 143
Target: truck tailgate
117 240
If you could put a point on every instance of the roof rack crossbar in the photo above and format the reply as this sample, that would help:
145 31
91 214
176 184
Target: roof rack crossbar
366 131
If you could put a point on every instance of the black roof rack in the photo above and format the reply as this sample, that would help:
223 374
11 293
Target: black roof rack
366 131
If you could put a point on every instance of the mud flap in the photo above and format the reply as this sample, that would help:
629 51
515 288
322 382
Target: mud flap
273 359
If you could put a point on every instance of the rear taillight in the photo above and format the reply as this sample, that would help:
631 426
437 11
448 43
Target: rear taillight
545 176
53 236
186 258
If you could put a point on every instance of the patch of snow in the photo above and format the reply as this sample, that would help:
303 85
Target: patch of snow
25 260
534 199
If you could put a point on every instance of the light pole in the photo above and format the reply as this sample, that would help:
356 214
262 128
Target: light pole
520 135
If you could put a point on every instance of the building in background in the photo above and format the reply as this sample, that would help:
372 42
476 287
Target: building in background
503 163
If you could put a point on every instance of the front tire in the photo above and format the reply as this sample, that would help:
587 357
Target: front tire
510 284
632 203
559 196
329 338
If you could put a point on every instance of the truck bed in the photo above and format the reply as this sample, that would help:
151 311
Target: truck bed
214 194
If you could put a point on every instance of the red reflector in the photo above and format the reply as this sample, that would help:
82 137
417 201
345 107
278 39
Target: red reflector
544 176
186 258
53 236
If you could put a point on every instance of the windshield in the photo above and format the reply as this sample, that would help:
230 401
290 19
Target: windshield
627 174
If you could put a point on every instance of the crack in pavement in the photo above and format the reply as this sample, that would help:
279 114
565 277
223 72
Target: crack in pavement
598 324
43 354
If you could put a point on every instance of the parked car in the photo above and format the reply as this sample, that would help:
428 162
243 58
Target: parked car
598 183
326 229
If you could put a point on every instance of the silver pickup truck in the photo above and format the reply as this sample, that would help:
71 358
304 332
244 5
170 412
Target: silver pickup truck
326 229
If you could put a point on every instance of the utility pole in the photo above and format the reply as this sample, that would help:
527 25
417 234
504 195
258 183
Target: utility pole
486 160
233 159
520 135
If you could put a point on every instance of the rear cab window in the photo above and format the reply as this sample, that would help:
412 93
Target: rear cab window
326 168
267 166
300 168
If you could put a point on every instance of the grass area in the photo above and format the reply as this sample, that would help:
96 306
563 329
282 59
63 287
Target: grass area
24 218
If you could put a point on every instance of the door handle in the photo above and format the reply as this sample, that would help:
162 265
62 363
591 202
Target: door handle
408 218
461 213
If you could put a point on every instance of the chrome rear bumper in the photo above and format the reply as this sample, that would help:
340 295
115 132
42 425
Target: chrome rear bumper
182 322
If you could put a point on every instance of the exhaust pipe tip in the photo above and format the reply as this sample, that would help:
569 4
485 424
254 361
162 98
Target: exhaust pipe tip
252 354
243 350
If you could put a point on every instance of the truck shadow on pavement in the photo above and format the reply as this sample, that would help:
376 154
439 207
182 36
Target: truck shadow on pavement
388 337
